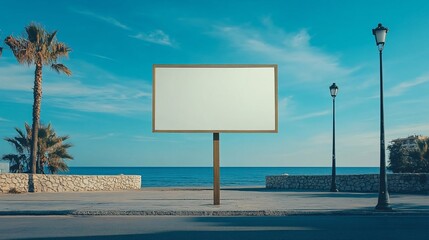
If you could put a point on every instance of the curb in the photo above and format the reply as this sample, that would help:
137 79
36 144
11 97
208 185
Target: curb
256 213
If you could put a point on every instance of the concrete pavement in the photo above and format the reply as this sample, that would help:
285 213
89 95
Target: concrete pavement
256 201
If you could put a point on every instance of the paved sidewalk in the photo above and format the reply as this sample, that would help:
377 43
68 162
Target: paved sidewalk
199 202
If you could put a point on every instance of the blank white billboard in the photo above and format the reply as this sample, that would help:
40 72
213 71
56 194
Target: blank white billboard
214 98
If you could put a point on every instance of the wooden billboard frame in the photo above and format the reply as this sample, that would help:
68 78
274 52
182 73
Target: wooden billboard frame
274 66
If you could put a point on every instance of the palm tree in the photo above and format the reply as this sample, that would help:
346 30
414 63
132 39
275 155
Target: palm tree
40 48
52 150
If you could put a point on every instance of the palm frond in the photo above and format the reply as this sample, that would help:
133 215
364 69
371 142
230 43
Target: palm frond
31 31
20 132
15 44
22 49
28 129
52 146
65 137
68 156
59 49
43 132
16 162
57 165
16 144
10 157
60 153
24 140
51 38
58 67
67 145
15 168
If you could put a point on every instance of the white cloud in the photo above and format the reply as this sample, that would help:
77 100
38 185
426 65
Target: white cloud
141 138
109 98
107 19
284 102
299 40
292 51
103 136
407 130
284 106
101 57
320 139
157 37
404 86
4 120
131 96
16 77
310 115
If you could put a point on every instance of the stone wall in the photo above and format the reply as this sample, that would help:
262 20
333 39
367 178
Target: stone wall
22 182
397 183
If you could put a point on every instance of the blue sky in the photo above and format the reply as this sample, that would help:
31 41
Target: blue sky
105 106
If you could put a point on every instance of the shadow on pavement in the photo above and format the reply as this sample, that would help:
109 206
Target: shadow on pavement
292 227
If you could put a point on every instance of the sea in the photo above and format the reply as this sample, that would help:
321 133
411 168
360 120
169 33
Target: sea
203 176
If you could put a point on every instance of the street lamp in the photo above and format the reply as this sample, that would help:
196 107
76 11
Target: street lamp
383 195
334 90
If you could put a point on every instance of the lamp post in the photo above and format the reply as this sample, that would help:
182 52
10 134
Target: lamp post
334 90
383 195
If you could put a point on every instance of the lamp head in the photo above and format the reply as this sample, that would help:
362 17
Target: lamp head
334 90
380 36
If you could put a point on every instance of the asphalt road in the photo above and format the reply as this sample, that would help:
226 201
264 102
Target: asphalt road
224 228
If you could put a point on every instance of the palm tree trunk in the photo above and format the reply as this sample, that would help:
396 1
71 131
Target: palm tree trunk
37 93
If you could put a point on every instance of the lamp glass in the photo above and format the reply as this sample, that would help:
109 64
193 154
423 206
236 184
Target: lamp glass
380 36
334 90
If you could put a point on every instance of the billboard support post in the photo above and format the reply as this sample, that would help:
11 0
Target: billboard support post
215 98
216 169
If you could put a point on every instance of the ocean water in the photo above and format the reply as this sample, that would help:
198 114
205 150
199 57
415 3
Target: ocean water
203 176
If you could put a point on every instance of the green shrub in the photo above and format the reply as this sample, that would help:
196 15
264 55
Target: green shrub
403 160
